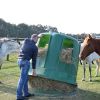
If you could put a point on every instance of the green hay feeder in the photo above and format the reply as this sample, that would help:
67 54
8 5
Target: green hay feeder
57 63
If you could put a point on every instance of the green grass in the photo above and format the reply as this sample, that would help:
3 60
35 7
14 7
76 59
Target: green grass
9 68
88 90
9 75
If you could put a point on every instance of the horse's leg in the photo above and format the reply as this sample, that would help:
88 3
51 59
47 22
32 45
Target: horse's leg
7 57
0 66
84 69
92 62
90 79
97 67
80 62
0 82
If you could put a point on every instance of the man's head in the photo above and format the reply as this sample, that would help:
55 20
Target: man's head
34 37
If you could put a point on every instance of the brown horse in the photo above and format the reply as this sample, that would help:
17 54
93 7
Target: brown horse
90 45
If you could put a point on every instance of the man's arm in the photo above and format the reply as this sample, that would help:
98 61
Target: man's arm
34 61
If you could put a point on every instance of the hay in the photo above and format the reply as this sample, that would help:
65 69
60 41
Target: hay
45 84
41 52
65 55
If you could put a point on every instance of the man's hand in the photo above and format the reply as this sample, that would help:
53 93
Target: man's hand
34 72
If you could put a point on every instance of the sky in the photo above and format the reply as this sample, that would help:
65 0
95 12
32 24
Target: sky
69 16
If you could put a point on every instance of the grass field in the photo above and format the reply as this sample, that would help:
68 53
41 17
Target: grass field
9 75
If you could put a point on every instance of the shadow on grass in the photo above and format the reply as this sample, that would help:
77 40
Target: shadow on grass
7 88
88 95
8 67
95 80
80 94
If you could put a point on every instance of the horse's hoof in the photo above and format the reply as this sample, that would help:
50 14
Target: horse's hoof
90 80
96 75
83 79
0 82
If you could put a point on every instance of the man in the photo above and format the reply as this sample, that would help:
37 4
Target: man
28 51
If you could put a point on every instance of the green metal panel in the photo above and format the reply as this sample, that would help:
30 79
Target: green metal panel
50 66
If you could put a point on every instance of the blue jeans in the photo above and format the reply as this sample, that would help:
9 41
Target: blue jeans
22 88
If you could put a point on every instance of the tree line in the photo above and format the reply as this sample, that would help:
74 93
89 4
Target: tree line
22 30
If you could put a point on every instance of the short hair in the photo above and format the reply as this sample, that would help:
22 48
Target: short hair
34 35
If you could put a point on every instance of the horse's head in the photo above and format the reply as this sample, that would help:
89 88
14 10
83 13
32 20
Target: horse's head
88 47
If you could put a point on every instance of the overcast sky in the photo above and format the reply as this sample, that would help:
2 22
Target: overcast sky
69 16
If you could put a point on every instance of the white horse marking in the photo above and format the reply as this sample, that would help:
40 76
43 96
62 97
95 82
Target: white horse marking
92 57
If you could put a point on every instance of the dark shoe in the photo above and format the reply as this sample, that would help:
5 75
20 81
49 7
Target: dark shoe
20 98
29 95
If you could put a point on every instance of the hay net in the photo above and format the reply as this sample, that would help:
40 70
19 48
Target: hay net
66 55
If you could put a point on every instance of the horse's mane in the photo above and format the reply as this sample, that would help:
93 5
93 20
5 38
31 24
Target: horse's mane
4 40
89 38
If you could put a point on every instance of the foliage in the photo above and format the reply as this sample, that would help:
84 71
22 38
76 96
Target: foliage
22 30
44 40
67 43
